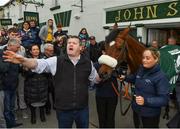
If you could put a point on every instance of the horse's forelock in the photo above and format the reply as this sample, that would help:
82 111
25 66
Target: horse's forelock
112 36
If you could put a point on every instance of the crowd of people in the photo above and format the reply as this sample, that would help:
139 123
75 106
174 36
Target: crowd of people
25 89
47 69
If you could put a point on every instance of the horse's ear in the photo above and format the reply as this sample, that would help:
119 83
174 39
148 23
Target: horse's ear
124 33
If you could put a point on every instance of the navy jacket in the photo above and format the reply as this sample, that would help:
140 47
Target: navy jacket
57 33
178 89
3 69
27 38
9 74
104 88
153 85
35 35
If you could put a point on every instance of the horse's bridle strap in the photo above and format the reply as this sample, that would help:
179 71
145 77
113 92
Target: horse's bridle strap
115 90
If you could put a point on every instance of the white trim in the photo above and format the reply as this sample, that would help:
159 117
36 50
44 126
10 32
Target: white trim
112 43
107 60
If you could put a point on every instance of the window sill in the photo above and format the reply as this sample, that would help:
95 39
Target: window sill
55 8
106 27
20 19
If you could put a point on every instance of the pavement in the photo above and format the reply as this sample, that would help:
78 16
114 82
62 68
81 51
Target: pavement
120 121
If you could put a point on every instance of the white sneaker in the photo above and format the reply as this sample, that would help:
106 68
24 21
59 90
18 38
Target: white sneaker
24 114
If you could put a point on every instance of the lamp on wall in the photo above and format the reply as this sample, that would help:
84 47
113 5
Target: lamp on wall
77 16
80 6
106 27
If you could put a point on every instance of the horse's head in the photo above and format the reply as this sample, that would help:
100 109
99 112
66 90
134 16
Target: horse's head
120 47
114 52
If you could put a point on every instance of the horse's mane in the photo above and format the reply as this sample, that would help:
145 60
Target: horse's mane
134 53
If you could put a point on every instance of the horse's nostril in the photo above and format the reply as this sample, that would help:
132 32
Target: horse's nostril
104 76
105 73
101 75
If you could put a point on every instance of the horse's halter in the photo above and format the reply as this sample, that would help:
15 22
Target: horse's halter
121 58
122 55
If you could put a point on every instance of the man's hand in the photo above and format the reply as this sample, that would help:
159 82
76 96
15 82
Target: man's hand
98 79
121 78
140 100
13 57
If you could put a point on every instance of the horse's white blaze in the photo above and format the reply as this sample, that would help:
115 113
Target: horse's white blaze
108 60
112 43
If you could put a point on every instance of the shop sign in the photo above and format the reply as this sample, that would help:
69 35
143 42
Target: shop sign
31 16
5 22
148 12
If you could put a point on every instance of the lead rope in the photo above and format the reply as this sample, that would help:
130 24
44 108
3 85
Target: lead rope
123 113
120 100
115 89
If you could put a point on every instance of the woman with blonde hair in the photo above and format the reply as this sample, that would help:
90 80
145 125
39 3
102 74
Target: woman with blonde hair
151 90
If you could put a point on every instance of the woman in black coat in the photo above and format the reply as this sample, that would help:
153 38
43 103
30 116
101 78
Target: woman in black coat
36 88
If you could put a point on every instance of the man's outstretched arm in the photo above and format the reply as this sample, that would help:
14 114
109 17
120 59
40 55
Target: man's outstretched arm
37 65
18 59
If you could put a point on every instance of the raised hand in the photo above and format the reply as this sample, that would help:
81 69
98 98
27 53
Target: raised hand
13 57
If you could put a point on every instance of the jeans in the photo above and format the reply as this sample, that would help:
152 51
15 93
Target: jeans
20 94
9 103
2 119
66 118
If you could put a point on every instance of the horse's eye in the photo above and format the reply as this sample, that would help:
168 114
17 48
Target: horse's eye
120 48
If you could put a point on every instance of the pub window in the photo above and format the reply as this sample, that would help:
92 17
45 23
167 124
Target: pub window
63 18
160 35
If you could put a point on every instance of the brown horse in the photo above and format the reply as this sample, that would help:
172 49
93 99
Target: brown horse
122 47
